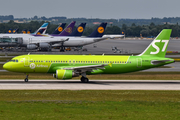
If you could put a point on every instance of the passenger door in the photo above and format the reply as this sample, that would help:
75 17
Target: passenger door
26 62
139 62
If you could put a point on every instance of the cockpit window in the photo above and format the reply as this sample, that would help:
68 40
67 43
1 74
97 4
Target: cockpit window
14 60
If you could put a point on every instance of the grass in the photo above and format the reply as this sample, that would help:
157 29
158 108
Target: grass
80 105
127 76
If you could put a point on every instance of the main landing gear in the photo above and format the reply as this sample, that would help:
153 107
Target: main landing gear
26 79
62 48
84 79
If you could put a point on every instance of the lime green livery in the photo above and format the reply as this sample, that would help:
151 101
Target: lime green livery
68 66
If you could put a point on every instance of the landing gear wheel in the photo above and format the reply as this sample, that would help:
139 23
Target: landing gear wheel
84 80
26 79
61 50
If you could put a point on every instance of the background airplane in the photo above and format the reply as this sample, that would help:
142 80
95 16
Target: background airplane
32 41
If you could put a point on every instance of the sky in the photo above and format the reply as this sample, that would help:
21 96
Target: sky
104 9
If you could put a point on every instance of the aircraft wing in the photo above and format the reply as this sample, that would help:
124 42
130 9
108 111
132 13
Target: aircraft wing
100 39
112 36
55 42
107 37
88 68
50 41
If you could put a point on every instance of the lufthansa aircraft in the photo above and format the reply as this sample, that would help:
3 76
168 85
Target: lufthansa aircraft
34 41
69 66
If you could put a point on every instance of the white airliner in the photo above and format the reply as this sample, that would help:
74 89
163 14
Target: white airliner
31 41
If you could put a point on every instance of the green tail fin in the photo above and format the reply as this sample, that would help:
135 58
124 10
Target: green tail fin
159 45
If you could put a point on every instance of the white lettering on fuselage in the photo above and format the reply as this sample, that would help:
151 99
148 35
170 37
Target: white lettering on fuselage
41 65
33 66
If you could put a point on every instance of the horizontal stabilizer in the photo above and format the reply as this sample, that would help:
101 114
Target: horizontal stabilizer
113 36
156 62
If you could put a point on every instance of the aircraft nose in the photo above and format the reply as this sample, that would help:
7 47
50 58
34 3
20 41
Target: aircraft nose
6 66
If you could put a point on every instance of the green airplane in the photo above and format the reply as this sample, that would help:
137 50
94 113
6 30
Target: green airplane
69 66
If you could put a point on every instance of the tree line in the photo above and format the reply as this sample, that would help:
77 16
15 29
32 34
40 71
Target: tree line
130 31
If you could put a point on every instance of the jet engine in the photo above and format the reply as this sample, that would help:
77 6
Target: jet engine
32 46
64 74
44 45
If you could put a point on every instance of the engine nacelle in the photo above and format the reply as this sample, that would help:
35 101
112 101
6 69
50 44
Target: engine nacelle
44 45
32 46
64 74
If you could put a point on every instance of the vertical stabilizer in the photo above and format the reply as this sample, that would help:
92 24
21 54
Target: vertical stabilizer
16 30
79 30
99 32
59 29
41 30
68 30
159 45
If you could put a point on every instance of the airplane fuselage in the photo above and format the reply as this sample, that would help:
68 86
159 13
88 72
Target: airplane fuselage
50 63
71 42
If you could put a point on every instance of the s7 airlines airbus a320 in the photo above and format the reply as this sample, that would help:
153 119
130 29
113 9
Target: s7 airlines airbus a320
68 66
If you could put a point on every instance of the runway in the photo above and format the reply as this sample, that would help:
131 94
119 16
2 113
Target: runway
92 85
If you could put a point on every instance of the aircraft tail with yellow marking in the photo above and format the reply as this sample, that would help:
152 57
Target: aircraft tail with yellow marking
99 32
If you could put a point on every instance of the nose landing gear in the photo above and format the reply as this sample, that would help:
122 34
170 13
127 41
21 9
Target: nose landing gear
26 79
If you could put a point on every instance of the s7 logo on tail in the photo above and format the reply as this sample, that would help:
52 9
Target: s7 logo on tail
157 47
